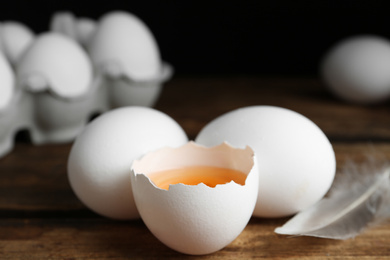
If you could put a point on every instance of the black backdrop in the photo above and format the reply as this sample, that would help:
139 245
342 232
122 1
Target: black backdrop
279 37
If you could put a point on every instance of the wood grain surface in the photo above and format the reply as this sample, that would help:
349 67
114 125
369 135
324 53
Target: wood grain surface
40 217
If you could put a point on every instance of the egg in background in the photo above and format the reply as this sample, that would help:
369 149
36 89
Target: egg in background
8 100
85 28
295 159
78 28
123 44
15 38
100 161
357 69
57 63
7 82
64 23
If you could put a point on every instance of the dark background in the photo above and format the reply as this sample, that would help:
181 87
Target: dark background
230 37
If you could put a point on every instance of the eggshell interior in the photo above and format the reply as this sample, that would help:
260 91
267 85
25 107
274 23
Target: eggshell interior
196 219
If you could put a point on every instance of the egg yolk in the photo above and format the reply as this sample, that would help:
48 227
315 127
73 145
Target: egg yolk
193 175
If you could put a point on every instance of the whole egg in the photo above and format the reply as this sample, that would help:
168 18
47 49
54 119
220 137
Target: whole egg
296 160
57 63
99 164
7 81
357 69
15 38
122 41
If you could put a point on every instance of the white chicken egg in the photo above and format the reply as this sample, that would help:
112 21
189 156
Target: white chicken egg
64 23
15 38
123 42
7 81
100 161
211 196
296 160
358 69
57 63
79 29
85 28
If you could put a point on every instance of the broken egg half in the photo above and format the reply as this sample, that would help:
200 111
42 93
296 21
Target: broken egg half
196 200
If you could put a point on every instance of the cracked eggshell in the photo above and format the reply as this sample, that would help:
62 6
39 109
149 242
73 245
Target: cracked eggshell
123 41
100 161
15 38
196 219
7 81
57 63
296 160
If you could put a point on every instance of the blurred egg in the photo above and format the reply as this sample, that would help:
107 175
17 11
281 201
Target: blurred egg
296 160
79 29
7 80
85 28
210 199
57 63
15 37
64 23
100 161
122 42
357 69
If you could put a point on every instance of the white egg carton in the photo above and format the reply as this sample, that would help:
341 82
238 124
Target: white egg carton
53 83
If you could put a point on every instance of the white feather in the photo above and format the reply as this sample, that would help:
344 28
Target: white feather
359 198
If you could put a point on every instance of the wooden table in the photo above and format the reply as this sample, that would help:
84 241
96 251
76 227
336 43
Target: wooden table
40 217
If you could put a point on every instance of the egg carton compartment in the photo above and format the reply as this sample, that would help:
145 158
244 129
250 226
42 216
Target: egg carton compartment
50 118
53 83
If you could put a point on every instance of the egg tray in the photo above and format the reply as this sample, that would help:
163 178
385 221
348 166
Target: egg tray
50 118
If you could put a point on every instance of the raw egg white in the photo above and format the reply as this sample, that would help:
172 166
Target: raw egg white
358 69
100 161
123 43
57 63
296 161
196 216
